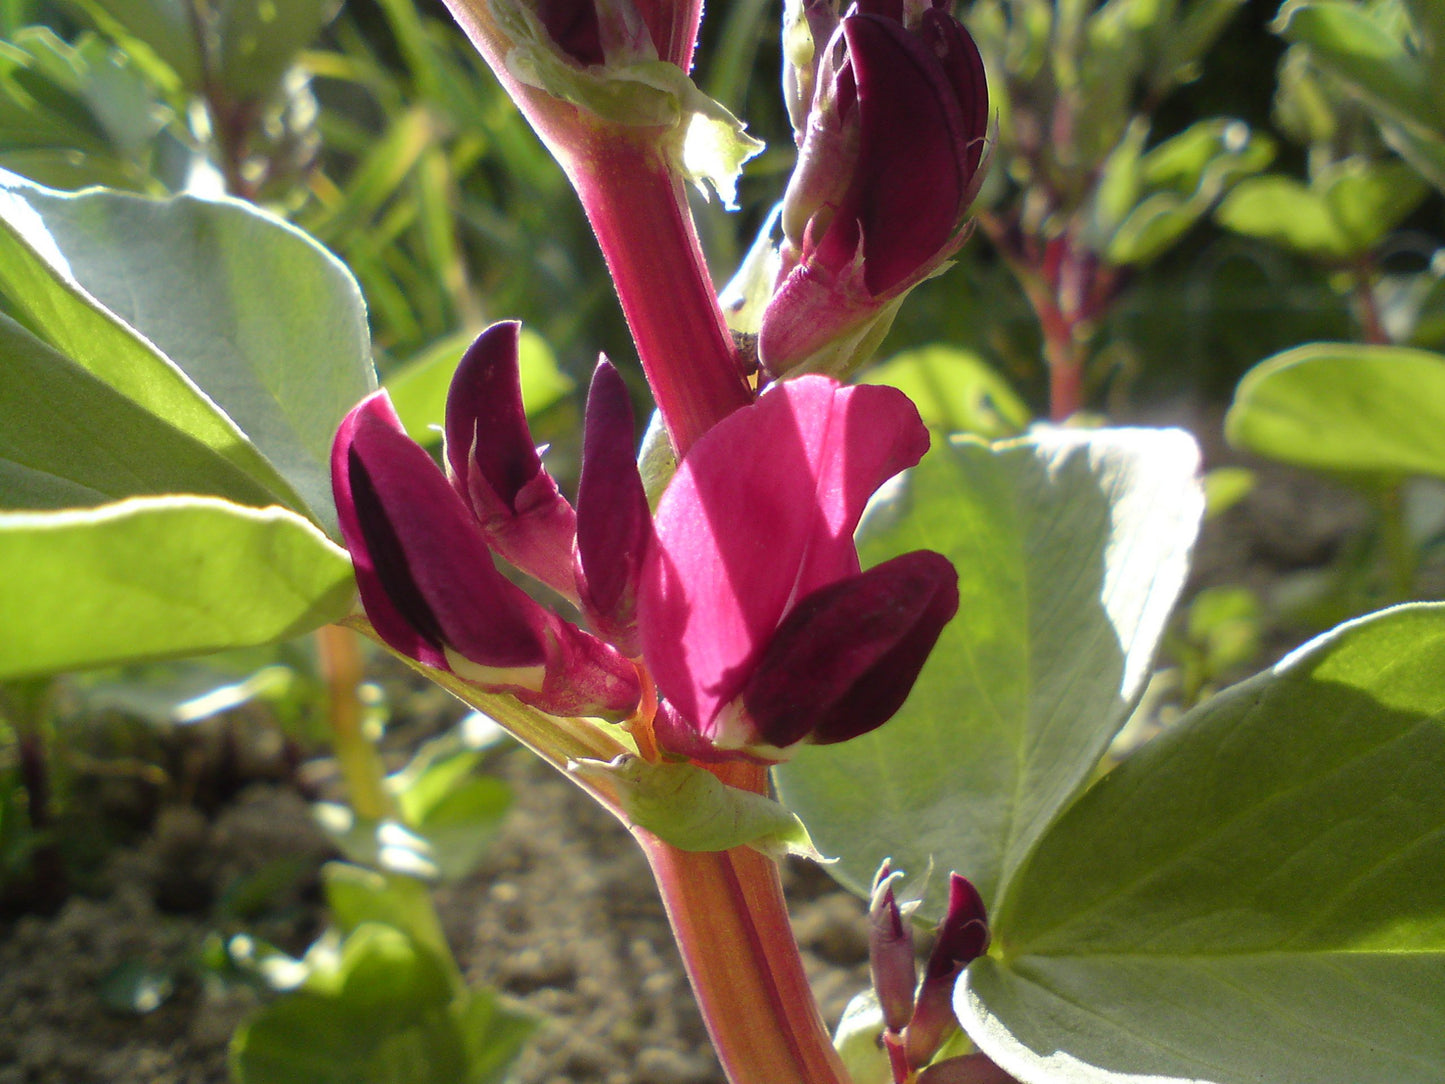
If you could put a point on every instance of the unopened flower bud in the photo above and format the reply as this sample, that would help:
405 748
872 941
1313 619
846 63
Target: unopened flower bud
614 523
888 167
969 1069
890 952
962 937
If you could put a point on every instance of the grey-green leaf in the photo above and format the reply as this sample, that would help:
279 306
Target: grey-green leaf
1259 894
1071 547
226 321
68 439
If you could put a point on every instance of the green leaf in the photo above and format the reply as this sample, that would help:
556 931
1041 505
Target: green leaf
157 577
695 811
955 391
259 41
226 322
1343 214
1071 547
43 295
167 28
418 389
492 1033
357 896
1345 407
384 1010
358 1017
68 439
1185 175
1347 40
136 987
1258 894
1285 211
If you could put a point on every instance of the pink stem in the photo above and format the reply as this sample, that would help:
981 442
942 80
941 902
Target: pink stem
636 203
731 924
638 208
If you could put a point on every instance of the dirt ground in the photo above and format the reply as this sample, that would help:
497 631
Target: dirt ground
562 916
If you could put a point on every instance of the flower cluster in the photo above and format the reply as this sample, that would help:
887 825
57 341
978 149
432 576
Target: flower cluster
918 1016
742 598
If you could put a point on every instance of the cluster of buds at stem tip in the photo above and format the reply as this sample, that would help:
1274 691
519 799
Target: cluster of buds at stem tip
918 1016
756 640
891 113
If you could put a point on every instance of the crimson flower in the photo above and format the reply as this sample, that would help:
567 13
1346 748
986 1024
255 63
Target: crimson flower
888 166
743 597
756 621
423 550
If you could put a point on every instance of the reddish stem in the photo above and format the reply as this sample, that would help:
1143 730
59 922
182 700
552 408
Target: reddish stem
731 924
1367 309
638 208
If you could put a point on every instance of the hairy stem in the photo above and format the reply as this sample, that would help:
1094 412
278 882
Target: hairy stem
731 924
638 209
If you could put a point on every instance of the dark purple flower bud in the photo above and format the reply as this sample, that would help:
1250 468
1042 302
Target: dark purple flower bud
614 523
962 937
493 463
888 167
430 588
573 27
969 1069
592 32
890 952
846 656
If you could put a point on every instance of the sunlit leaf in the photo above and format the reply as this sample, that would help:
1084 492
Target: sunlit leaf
1259 894
158 577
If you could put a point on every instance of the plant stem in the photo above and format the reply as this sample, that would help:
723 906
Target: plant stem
731 924
1399 553
361 767
638 209
1367 308
26 703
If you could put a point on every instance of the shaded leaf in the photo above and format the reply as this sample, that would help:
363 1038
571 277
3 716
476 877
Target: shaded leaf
1071 547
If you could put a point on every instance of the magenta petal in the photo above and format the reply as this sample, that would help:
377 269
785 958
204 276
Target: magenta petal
427 563
846 657
760 514
494 465
614 523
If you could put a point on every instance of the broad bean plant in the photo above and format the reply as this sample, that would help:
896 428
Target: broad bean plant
791 617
